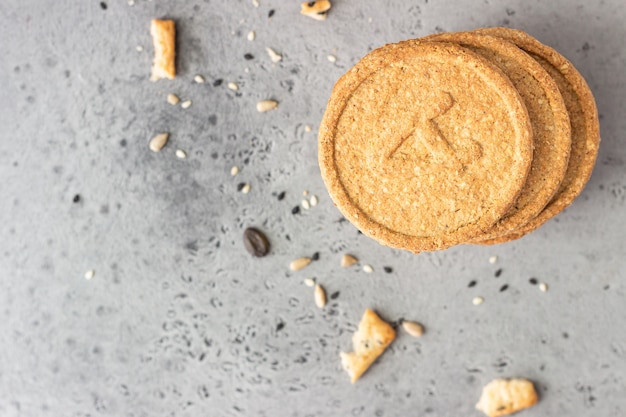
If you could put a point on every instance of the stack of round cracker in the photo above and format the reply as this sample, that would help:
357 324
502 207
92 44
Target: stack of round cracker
474 137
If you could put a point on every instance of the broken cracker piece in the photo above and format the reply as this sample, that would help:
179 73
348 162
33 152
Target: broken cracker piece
369 342
163 37
502 397
315 9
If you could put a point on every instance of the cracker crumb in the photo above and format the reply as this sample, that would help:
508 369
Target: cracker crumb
502 397
164 39
317 10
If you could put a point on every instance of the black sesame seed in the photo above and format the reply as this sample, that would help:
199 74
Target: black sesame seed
271 13
504 287
359 232
472 284
498 273
334 295
533 281
388 269
103 5
316 256
281 196
240 186
218 82
76 198
295 210
280 326
248 56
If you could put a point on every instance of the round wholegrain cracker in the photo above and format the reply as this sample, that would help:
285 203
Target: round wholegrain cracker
548 117
585 127
424 145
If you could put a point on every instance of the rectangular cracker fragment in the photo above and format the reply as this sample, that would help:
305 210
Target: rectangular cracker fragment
164 39
369 342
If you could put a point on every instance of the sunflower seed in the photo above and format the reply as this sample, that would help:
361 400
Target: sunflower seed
413 328
256 242
543 287
251 36
172 99
274 56
309 282
158 142
368 269
266 105
90 274
234 170
305 204
299 263
313 200
185 104
348 260
320 296
181 154
233 86
245 189
199 79
478 300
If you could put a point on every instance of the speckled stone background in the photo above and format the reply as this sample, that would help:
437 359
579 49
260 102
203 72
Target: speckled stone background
179 320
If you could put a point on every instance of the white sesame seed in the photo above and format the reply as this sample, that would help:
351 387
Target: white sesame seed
369 20
332 58
255 3
234 170
306 205
131 2
199 79
172 99
307 128
309 282
320 296
274 56
251 36
305 193
185 104
181 154
266 105
90 274
368 269
246 70
478 300
493 259
139 48
313 200
543 287
246 189
233 86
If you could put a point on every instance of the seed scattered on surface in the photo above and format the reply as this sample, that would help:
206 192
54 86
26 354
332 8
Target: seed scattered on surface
504 287
271 13
274 56
388 269
158 142
234 170
543 287
199 79
185 104
332 58
281 196
498 273
533 281
299 263
316 256
295 210
315 9
217 82
240 186
181 154
305 193
305 204
368 269
307 128
255 3
245 189
266 105
320 296
131 2
76 198
313 200
478 300
413 328
309 282
90 274
248 57
233 86
256 242
139 48
251 36
172 99
335 295
348 260
493 259
472 284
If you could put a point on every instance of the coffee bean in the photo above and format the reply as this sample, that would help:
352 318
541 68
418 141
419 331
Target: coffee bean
255 242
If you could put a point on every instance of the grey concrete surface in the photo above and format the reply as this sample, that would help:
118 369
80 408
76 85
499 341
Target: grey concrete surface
179 320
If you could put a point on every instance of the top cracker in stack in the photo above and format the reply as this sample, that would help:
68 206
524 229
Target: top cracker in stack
474 137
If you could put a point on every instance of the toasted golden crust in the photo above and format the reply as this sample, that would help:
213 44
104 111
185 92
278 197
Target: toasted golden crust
585 127
164 39
424 145
369 342
549 119
502 397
